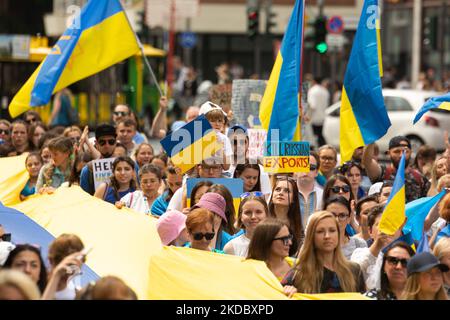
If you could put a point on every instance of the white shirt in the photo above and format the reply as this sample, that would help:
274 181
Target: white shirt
370 266
240 245
318 100
137 201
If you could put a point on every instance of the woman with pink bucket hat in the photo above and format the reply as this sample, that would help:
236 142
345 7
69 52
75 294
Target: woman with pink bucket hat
171 228
216 204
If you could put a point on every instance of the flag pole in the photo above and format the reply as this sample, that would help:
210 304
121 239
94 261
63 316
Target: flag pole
141 47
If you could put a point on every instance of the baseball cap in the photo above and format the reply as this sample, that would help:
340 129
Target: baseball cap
214 202
209 106
424 261
170 225
105 130
375 188
397 142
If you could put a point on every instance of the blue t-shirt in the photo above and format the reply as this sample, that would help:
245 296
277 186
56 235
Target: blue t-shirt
160 204
27 191
111 198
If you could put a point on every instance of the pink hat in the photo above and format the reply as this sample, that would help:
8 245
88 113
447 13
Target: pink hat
170 225
214 202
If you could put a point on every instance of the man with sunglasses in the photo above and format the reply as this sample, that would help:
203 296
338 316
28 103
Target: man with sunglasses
310 192
105 143
416 185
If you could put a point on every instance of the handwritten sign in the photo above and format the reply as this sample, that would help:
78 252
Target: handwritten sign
221 94
102 170
286 157
246 98
257 138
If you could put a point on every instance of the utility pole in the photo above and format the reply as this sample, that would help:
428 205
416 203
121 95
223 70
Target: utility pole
416 42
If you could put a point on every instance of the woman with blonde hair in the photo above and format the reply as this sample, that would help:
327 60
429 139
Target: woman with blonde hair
442 252
425 278
438 170
321 266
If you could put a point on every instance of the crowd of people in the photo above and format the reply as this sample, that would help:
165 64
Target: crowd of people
317 231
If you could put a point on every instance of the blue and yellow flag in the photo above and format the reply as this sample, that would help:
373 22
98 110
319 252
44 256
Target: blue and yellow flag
441 102
279 109
190 144
394 212
98 38
364 118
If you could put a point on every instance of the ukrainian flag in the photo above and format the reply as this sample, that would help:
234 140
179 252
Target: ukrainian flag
192 143
280 105
98 38
363 114
441 102
394 212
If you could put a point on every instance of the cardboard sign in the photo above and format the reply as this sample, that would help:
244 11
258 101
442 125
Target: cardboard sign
235 186
257 138
245 101
192 143
286 157
102 170
221 94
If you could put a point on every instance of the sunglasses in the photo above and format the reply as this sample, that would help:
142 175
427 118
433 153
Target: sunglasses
285 239
111 142
312 167
341 216
120 113
199 236
337 189
393 261
31 120
254 193
3 131
6 237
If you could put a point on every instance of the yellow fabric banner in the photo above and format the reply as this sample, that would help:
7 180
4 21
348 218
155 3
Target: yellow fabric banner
13 177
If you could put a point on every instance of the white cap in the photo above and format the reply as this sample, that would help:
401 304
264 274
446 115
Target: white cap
5 248
375 188
209 106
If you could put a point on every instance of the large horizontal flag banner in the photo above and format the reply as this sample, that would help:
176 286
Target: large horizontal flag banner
416 211
191 144
13 177
441 102
394 212
235 186
99 37
212 276
363 115
286 157
122 240
25 230
280 105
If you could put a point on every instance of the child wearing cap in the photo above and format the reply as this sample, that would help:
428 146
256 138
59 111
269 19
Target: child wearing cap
171 228
217 117
425 278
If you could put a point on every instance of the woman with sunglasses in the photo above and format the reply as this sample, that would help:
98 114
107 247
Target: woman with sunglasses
338 185
200 227
340 208
5 131
321 267
425 278
270 243
27 259
252 211
285 206
392 272
250 175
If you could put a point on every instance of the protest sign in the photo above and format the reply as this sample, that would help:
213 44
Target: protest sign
286 157
190 144
246 97
221 94
102 170
235 186
256 137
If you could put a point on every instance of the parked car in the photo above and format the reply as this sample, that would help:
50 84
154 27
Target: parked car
402 106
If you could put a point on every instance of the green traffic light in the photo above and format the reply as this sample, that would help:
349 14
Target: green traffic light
322 47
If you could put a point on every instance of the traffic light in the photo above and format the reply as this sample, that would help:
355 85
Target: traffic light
270 16
320 35
252 22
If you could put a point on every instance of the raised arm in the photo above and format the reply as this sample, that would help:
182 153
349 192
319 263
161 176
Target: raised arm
372 167
160 121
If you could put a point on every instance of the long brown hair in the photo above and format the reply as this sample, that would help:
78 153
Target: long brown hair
114 183
230 212
294 214
309 268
